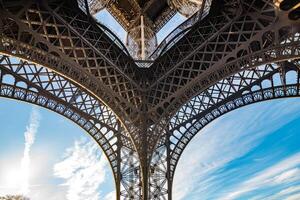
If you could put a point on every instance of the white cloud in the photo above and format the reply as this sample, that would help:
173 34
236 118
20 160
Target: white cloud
284 172
283 194
16 172
83 169
290 190
293 197
226 139
29 135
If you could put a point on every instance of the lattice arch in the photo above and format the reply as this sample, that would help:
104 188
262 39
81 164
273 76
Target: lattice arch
69 65
38 85
227 84
35 84
265 82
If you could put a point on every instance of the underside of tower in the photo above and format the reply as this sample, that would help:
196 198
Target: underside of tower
226 55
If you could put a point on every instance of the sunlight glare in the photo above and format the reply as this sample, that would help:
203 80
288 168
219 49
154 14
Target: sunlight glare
13 177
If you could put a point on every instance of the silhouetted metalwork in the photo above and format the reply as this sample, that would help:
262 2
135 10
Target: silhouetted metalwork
144 113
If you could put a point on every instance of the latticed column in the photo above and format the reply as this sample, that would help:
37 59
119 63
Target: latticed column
128 181
160 183
147 168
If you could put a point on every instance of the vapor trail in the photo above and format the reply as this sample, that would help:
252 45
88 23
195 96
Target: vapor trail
29 135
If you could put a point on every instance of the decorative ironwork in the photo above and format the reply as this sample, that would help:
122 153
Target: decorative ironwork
55 55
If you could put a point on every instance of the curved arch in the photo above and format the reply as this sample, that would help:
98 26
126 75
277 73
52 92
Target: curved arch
37 85
244 88
92 75
290 49
220 81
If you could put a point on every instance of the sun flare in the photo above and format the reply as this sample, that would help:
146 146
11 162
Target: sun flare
13 178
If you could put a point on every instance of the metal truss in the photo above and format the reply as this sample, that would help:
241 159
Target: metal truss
54 55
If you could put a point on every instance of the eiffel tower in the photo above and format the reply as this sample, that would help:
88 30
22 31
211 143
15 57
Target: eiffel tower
143 102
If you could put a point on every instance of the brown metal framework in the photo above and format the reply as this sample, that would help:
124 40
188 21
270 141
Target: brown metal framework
54 55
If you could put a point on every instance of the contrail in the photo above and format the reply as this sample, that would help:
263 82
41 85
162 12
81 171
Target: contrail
29 135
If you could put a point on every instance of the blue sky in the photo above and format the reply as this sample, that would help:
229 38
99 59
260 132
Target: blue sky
251 153
64 161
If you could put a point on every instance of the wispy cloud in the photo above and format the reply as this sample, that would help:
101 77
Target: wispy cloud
286 193
29 135
225 140
83 168
293 197
284 172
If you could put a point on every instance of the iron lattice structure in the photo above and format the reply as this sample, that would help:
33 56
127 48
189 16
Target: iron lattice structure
54 55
